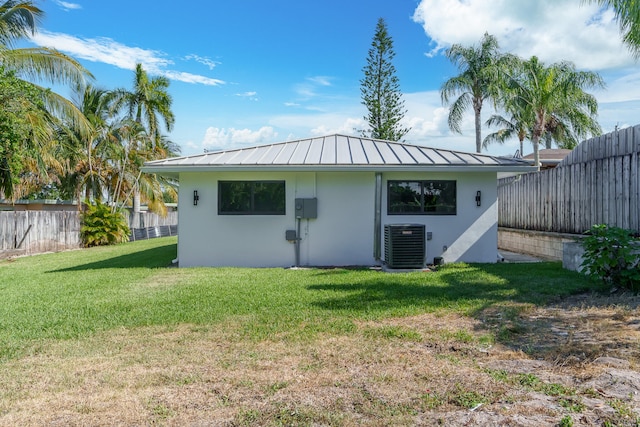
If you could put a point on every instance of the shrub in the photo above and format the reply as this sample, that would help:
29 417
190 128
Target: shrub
612 254
103 226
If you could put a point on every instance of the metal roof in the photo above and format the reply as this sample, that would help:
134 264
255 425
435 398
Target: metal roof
337 152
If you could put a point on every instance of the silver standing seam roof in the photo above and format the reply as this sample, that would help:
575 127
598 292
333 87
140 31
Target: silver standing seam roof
337 153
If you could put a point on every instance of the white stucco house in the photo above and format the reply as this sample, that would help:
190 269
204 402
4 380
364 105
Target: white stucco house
336 200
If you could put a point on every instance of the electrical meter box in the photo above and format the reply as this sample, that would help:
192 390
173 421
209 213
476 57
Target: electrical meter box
306 208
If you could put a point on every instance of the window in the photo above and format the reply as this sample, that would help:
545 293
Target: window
421 197
251 198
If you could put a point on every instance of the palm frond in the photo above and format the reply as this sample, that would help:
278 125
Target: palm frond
45 64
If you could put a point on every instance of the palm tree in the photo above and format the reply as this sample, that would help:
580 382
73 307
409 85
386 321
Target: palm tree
18 21
628 15
148 102
129 149
513 126
481 69
85 152
152 186
146 105
553 102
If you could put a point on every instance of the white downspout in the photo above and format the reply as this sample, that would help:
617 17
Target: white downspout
377 218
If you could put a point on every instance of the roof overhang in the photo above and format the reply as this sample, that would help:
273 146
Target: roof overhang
175 171
337 153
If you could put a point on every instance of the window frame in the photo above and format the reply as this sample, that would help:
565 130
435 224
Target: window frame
252 202
423 208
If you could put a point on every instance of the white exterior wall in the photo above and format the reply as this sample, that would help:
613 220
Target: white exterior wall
469 236
342 234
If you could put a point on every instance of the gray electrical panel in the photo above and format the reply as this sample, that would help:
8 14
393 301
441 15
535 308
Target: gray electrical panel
291 235
306 208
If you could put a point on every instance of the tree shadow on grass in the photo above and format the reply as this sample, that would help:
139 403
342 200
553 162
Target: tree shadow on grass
468 289
156 257
540 309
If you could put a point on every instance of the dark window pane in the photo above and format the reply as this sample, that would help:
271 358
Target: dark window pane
440 197
251 197
235 196
432 197
269 197
404 196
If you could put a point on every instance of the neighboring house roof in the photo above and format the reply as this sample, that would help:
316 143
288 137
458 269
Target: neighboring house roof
38 205
550 157
337 152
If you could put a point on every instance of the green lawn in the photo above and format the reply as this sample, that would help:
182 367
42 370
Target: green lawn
78 293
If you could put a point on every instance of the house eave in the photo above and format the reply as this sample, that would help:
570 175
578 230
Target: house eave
175 171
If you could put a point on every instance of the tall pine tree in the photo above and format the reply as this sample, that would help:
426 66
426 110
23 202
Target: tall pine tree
380 89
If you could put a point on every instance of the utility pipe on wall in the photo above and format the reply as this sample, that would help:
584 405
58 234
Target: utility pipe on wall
377 218
298 239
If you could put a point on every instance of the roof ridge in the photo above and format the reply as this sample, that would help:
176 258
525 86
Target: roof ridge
432 155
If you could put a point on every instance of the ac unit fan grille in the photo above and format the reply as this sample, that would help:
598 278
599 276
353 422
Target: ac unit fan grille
404 245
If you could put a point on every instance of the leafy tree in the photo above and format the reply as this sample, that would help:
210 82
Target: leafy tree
482 69
21 107
380 89
553 102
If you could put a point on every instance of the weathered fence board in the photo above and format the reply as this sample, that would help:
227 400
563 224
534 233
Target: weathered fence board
598 182
31 232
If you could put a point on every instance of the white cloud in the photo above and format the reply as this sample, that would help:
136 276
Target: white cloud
320 80
203 60
553 30
309 88
108 51
349 126
185 77
426 116
621 87
67 5
250 95
221 139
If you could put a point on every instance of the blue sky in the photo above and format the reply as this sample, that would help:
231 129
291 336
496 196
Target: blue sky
254 72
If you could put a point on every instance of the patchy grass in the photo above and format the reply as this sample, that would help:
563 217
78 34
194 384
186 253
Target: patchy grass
111 336
75 294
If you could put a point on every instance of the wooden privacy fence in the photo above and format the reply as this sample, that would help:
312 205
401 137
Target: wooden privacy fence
598 183
148 219
31 232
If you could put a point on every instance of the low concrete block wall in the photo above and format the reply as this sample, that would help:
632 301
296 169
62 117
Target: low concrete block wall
541 244
572 256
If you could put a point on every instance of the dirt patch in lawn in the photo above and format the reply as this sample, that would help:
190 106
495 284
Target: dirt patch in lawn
572 363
